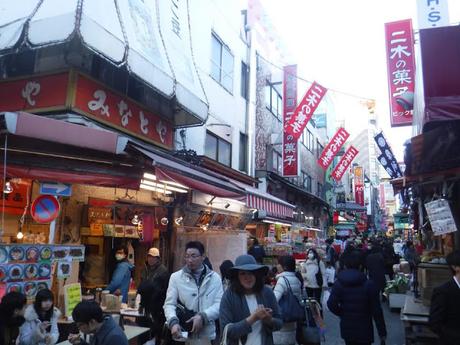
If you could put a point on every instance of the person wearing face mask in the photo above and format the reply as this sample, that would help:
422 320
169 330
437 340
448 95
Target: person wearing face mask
40 327
314 275
91 321
12 308
122 275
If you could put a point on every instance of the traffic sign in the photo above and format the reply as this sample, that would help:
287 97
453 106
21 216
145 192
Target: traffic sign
45 209
56 188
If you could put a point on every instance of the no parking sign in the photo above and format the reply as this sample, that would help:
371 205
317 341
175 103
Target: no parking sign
45 209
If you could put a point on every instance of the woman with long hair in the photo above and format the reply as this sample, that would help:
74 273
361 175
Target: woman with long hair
248 310
41 317
314 274
287 280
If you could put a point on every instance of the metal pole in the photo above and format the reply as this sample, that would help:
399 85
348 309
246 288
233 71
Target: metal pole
2 230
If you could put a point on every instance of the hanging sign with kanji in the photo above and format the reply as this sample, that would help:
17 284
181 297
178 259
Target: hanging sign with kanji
290 143
401 71
344 163
304 111
334 146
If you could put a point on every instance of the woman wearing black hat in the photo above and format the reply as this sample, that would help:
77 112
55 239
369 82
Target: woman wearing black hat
248 310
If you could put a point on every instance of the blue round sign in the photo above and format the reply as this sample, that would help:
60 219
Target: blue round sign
45 209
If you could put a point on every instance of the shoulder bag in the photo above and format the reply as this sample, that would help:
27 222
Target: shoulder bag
308 332
290 307
224 340
319 276
184 314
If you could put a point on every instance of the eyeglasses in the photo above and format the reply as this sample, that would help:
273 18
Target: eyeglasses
192 256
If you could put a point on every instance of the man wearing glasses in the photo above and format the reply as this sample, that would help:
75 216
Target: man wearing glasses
198 289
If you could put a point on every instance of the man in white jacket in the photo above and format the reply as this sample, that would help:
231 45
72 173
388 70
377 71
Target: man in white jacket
199 289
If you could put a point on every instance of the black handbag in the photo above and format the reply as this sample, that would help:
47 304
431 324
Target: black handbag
290 307
319 276
308 332
184 314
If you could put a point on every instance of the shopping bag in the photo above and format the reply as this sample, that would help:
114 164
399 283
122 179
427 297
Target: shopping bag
326 295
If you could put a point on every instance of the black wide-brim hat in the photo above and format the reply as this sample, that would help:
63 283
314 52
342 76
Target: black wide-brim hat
247 263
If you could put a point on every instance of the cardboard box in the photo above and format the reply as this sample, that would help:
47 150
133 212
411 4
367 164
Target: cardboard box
432 275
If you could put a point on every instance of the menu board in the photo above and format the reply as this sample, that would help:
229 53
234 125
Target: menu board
28 268
72 296
440 216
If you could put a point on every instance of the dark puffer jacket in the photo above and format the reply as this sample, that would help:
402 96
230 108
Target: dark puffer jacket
355 300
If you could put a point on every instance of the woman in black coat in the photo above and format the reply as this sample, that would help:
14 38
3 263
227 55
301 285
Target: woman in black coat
355 299
375 266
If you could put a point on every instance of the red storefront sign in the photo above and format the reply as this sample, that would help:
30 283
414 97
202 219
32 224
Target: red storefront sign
401 71
76 92
359 185
36 93
344 163
290 143
304 111
328 154
16 201
102 104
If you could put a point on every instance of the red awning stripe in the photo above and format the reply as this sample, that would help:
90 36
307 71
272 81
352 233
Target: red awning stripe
271 207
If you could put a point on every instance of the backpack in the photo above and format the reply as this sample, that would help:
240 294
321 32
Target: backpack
290 307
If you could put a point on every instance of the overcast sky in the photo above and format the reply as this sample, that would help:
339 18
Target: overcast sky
341 44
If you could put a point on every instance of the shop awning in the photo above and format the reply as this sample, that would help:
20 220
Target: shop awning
260 200
172 169
152 40
60 132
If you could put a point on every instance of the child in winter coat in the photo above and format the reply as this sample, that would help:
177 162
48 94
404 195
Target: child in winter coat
40 327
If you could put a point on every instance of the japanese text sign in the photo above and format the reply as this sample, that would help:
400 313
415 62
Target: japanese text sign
359 185
290 143
440 216
72 296
401 71
344 163
97 101
304 111
337 141
74 91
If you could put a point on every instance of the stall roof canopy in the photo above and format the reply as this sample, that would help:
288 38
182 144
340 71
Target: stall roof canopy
134 34
173 169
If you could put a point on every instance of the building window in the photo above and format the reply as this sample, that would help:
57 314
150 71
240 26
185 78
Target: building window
308 139
218 149
277 162
319 149
243 165
306 181
274 100
319 189
221 64
244 81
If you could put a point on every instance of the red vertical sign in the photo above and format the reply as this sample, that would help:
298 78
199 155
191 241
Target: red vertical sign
328 154
304 111
290 143
344 163
359 185
401 71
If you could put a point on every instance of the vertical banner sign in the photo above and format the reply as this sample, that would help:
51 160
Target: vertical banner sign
387 158
344 163
401 71
337 141
432 13
359 185
291 165
304 111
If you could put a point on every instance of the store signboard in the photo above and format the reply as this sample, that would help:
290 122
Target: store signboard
401 71
440 216
74 91
291 152
344 163
304 111
333 147
359 185
432 13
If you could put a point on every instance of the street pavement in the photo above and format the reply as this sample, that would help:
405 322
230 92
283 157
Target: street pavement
393 323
